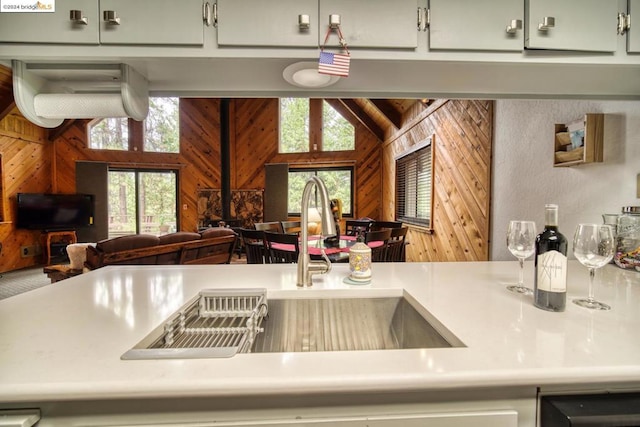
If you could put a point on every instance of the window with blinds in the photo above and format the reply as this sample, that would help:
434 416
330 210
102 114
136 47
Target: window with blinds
413 186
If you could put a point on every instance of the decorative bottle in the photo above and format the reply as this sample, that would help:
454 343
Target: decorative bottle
550 282
360 261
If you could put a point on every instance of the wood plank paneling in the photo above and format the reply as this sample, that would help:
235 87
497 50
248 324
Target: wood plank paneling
462 176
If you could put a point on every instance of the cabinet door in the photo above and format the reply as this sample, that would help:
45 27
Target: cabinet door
372 23
267 23
153 22
584 25
476 25
52 27
633 35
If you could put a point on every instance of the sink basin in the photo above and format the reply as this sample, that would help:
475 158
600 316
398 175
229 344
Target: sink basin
224 322
347 324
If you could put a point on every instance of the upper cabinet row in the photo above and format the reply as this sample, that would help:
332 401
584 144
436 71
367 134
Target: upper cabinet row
487 25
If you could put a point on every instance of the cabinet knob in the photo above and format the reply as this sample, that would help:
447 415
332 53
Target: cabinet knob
334 22
304 22
76 17
514 26
111 17
547 22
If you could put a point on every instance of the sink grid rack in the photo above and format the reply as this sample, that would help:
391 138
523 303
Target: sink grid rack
217 319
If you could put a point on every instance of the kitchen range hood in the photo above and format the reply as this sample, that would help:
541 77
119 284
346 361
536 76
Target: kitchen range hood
48 93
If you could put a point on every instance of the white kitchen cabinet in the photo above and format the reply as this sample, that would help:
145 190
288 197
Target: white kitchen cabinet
580 25
152 22
267 23
372 23
477 25
633 34
53 27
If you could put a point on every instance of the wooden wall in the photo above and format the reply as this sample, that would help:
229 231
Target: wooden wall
462 173
463 132
25 162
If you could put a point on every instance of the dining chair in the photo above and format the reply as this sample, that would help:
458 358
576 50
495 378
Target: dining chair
379 253
275 226
282 248
291 227
354 227
379 225
254 246
396 245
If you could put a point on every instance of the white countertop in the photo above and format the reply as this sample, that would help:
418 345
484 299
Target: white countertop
64 341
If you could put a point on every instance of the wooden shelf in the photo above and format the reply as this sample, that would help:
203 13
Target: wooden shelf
579 141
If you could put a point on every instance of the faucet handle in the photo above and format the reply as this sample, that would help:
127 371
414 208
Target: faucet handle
326 260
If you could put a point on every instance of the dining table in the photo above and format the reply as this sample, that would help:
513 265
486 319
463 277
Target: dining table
336 252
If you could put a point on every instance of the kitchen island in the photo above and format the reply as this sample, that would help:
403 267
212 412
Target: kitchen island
60 349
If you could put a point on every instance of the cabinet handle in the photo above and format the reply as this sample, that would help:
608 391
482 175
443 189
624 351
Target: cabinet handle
624 23
76 17
206 14
304 22
514 26
111 17
547 22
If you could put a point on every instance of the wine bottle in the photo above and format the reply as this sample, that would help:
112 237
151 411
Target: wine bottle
550 282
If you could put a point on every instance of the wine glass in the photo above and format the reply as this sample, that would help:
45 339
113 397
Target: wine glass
593 246
521 239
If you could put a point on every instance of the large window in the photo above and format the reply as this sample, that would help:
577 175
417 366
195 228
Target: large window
159 133
414 185
313 125
339 183
142 201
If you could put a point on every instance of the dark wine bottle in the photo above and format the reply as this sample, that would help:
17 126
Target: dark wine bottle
550 282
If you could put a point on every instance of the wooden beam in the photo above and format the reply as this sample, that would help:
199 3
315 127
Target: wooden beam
58 131
388 111
349 108
6 105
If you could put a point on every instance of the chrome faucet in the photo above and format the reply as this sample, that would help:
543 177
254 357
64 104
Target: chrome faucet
306 267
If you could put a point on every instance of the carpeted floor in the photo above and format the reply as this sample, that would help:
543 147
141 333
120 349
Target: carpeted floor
19 281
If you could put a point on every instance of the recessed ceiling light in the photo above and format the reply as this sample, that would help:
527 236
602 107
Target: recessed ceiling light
305 74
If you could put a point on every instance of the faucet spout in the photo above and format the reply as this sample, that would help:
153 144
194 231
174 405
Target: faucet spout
306 267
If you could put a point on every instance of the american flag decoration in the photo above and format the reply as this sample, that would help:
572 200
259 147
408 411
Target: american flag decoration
335 64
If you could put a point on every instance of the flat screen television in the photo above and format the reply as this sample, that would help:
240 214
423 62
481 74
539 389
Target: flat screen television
39 211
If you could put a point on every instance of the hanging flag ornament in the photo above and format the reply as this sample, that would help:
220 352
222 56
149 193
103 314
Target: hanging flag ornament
334 64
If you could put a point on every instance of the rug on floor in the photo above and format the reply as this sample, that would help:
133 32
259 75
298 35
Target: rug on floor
24 280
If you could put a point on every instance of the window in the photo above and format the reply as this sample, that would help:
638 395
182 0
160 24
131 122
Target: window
414 185
161 127
294 125
142 201
339 183
313 125
159 131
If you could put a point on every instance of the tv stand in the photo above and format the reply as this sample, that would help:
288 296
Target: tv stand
53 237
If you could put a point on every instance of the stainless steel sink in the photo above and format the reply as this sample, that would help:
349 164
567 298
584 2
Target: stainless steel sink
224 322
343 324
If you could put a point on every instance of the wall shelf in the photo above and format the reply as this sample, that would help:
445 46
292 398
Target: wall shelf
579 141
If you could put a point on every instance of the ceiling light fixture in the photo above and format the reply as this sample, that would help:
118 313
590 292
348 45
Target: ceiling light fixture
305 74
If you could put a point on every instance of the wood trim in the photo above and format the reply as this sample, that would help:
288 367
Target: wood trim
417 120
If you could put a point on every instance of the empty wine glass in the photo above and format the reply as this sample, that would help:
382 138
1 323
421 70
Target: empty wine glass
593 246
521 239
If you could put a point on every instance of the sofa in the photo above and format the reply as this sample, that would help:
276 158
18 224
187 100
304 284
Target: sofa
212 246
